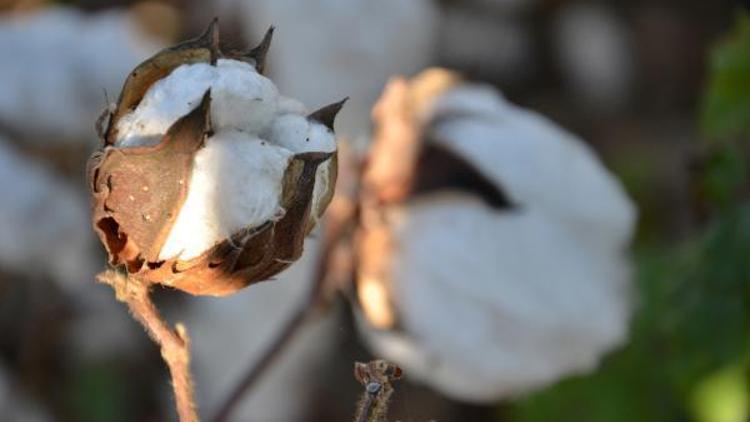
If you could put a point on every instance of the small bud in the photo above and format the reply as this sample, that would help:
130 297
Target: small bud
205 183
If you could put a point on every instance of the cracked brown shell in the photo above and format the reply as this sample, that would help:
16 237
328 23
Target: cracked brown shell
138 192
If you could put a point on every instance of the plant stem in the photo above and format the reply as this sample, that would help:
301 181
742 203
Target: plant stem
174 343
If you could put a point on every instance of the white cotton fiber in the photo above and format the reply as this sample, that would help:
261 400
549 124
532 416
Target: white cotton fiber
236 183
241 99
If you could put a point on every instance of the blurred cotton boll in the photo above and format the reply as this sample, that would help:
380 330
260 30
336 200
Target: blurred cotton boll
60 62
505 266
45 231
595 55
342 48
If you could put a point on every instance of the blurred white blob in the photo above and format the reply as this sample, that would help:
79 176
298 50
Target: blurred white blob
230 333
16 405
57 64
595 54
493 303
490 45
325 48
45 229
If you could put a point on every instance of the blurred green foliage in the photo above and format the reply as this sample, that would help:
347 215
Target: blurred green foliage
688 356
727 104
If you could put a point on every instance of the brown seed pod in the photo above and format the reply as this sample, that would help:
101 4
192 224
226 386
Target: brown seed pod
139 191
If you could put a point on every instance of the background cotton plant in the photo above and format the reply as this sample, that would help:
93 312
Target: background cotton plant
70 351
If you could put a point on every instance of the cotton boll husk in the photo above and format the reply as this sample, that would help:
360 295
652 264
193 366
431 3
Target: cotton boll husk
241 99
493 303
46 232
595 55
61 61
350 48
249 321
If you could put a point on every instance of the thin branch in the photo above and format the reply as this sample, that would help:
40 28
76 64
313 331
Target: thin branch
334 231
174 344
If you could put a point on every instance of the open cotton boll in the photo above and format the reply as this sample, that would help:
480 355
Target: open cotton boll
491 299
236 181
207 179
242 99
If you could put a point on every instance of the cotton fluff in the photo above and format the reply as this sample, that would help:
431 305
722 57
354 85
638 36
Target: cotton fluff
496 303
236 180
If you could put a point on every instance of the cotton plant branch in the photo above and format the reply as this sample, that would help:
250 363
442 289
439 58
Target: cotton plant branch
174 343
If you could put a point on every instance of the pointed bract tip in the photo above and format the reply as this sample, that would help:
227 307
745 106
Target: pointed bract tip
210 39
205 110
326 115
258 54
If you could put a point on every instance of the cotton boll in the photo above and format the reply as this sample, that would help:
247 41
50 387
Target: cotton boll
342 47
61 62
208 180
220 201
595 55
482 300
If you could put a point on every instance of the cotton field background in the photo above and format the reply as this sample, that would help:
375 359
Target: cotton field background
547 207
